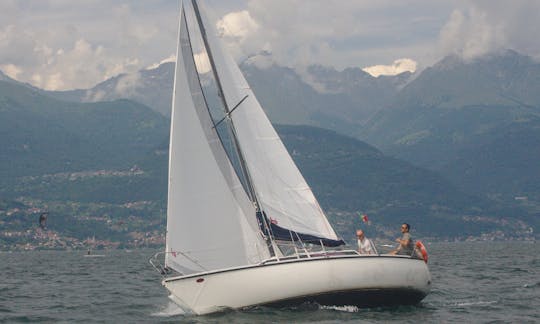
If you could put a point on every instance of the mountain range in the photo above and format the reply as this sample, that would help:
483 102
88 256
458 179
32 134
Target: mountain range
476 122
453 149
438 119
40 134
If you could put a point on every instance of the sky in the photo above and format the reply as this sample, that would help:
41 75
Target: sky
66 44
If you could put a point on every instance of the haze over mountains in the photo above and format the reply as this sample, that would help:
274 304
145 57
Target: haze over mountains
456 144
476 122
439 119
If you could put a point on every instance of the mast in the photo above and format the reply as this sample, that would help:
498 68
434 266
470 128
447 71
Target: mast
272 247
228 111
284 193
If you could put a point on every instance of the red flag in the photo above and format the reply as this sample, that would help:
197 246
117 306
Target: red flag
365 218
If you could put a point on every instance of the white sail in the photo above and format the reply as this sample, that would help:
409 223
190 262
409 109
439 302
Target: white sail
210 220
281 190
211 216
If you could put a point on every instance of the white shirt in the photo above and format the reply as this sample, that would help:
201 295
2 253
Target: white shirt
364 246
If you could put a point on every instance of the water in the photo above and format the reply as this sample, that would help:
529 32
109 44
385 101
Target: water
472 282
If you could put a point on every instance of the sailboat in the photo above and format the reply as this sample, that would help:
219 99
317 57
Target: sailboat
243 226
92 246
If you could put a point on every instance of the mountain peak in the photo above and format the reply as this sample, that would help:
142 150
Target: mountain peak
506 57
449 62
5 77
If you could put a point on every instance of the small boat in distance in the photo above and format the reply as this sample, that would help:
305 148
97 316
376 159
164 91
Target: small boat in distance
92 246
243 226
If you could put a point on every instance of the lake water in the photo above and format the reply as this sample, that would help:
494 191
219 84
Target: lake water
472 282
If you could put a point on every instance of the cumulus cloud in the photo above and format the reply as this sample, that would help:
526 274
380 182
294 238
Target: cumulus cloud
237 25
202 62
353 33
240 31
483 26
470 34
332 32
53 81
60 45
82 65
11 70
31 57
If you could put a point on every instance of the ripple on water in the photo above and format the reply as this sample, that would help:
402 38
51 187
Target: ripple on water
472 282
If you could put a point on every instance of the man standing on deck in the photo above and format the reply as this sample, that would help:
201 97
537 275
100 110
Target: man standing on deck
406 245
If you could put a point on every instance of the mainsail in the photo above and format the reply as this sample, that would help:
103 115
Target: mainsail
213 222
280 187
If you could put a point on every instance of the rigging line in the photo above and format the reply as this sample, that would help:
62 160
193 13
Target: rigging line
189 258
302 243
232 129
243 165
294 243
199 91
228 115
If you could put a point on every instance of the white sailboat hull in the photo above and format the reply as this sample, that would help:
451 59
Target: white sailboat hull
362 281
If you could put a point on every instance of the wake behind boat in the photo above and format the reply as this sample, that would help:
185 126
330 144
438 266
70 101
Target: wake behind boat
94 255
243 226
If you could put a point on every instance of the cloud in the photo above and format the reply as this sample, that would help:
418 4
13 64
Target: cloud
17 46
202 62
11 70
53 81
470 34
336 33
127 85
237 25
483 26
59 44
94 96
263 60
399 66
357 33
171 58
82 65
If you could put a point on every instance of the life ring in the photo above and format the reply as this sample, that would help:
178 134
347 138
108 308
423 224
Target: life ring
422 250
